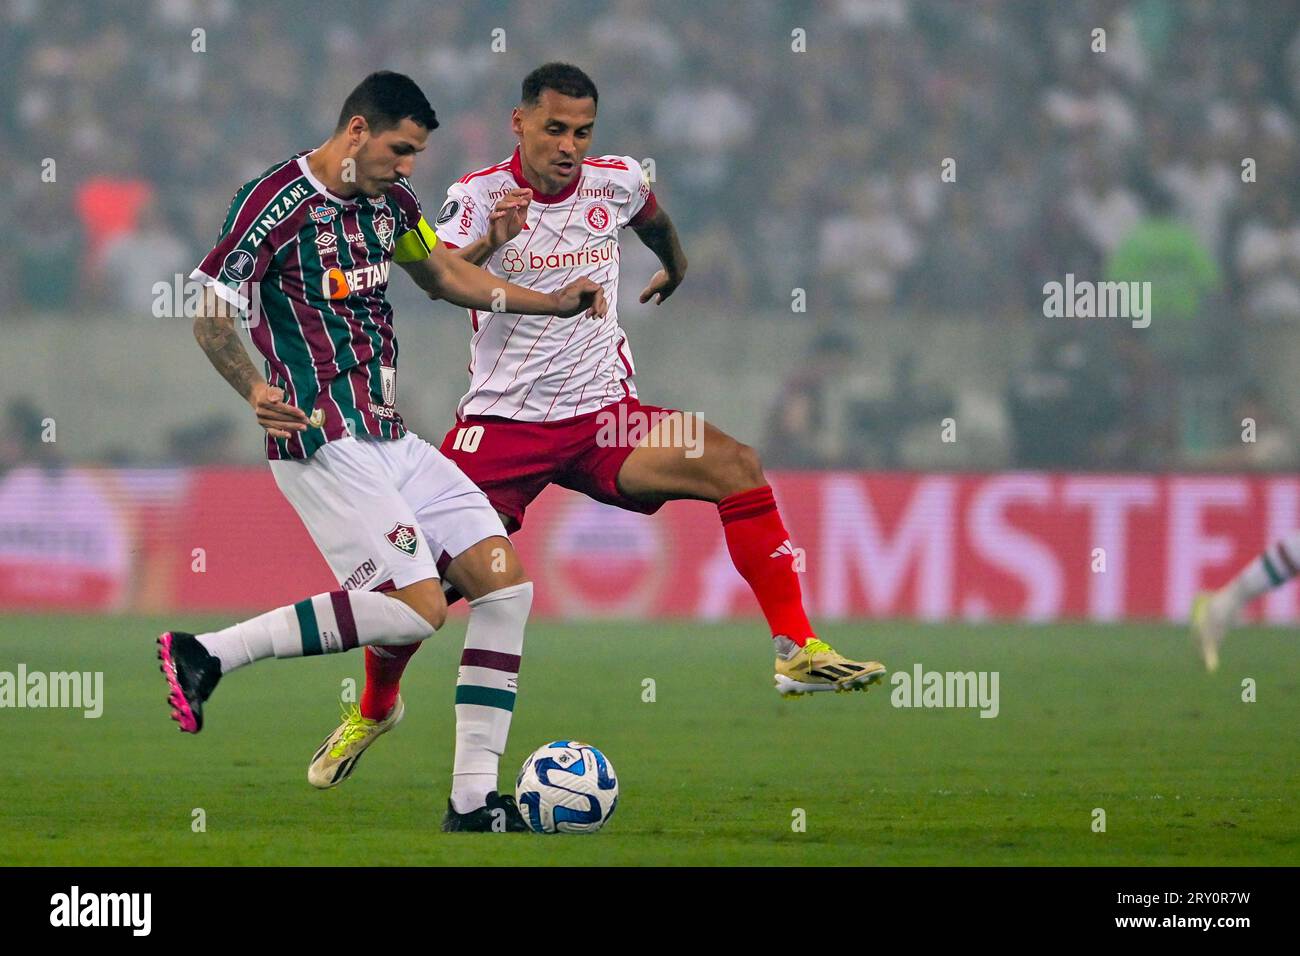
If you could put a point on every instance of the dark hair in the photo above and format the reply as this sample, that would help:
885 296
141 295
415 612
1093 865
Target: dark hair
386 98
564 78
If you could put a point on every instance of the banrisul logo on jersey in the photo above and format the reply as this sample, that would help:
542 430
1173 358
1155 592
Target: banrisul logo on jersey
514 262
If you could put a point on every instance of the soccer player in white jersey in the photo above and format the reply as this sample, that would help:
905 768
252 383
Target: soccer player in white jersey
548 397
307 246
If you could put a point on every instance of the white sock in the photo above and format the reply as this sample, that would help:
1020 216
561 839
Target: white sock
485 691
785 648
1274 567
324 624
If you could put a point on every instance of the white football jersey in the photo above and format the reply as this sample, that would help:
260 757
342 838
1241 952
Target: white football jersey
541 368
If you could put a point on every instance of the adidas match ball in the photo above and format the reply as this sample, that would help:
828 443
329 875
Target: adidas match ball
567 787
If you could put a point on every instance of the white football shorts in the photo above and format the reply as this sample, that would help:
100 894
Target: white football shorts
386 512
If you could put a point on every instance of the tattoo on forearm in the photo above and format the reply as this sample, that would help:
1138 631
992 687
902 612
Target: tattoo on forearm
220 342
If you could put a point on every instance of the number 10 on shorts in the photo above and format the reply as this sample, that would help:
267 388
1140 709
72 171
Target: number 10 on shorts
467 439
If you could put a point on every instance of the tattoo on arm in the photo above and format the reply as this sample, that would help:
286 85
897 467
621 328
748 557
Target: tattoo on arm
215 331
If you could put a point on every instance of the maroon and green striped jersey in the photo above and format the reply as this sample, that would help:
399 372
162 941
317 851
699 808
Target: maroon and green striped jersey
312 269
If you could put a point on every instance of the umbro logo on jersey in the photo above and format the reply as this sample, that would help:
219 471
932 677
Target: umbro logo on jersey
786 548
404 539
322 215
325 239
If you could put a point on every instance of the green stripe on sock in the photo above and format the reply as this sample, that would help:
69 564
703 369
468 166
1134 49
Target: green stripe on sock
1273 576
486 696
307 627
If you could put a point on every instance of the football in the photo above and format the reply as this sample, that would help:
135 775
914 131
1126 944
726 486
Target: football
567 787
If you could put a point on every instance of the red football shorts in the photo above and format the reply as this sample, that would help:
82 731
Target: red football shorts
512 461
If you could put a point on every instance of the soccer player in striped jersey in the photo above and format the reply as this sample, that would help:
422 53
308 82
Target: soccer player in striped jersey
548 396
306 249
1215 613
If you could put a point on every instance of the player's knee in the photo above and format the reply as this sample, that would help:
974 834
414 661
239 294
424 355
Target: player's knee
426 599
749 465
744 469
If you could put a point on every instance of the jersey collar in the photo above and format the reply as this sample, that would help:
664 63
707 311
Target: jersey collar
517 171
320 187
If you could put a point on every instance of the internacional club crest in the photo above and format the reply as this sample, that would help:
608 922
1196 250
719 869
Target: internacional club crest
598 217
404 539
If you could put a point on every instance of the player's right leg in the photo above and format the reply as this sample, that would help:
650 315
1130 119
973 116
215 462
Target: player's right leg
327 623
1216 612
370 537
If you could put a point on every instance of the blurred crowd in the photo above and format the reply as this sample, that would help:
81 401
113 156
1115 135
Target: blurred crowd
1169 155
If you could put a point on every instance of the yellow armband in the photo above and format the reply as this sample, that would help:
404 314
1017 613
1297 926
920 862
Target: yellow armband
415 244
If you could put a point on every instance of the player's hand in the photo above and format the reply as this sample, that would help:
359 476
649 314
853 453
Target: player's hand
578 295
508 216
279 419
661 286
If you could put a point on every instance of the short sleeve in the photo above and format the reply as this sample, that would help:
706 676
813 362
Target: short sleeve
462 218
641 203
242 253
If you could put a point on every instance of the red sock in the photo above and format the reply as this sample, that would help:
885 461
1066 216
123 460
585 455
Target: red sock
383 678
761 551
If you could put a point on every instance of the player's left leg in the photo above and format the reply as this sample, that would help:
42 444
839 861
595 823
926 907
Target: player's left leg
675 461
492 579
1214 614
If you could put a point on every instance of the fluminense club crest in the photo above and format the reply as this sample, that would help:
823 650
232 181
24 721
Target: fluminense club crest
404 539
384 229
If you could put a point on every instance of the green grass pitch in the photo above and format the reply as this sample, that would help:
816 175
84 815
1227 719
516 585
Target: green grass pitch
712 772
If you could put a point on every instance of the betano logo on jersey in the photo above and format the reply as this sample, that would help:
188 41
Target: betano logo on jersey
514 262
341 283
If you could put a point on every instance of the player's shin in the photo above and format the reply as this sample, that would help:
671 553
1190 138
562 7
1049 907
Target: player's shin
760 549
485 691
324 624
1275 567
